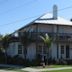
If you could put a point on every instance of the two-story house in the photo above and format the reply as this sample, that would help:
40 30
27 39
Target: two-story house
59 29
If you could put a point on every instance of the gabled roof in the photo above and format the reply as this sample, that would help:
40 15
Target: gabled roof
48 19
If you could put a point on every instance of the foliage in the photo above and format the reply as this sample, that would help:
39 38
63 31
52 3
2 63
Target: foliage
25 40
5 41
1 37
47 40
2 57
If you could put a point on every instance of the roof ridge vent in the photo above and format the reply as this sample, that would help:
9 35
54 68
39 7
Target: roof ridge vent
55 9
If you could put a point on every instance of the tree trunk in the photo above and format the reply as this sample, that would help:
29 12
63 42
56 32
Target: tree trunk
25 52
47 55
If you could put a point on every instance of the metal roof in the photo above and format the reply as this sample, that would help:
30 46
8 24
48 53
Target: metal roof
48 19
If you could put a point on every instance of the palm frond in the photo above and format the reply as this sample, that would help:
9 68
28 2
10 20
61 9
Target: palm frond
46 35
46 40
43 38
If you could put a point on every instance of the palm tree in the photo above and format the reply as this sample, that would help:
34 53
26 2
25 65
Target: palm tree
4 44
1 37
25 40
5 41
47 40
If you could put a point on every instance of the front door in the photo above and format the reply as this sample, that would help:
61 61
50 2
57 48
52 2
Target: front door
67 51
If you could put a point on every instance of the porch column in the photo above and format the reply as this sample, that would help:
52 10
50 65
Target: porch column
57 31
36 38
42 53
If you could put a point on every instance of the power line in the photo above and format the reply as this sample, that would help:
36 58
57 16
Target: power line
20 20
27 3
65 8
32 17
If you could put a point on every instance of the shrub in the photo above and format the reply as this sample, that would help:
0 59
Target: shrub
17 60
2 57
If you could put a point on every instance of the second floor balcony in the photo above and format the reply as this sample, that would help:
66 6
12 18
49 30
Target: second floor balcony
55 36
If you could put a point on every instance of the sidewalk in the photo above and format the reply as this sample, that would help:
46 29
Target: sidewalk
45 69
29 69
7 71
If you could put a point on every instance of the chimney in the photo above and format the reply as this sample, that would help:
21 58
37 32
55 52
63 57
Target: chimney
55 12
71 19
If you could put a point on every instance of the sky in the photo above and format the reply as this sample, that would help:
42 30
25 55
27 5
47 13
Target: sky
15 14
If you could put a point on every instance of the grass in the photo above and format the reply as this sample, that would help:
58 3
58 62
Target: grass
57 66
67 70
18 69
51 66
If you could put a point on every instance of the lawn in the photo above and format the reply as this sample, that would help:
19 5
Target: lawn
52 66
57 66
67 70
19 69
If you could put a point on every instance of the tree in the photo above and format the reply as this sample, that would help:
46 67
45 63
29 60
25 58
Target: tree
1 46
1 37
47 40
5 41
25 40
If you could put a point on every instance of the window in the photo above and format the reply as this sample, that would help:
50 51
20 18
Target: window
62 49
19 49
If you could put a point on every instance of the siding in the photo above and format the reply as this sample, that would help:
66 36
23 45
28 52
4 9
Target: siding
54 51
65 29
45 28
31 52
70 51
13 49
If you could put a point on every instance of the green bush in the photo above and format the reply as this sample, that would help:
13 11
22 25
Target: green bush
17 60
2 58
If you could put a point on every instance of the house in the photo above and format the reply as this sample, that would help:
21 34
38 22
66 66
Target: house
58 28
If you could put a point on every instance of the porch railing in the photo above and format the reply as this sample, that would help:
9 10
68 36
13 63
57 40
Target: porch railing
54 36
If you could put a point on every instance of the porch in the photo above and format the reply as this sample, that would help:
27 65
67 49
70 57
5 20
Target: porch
65 51
57 37
62 40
